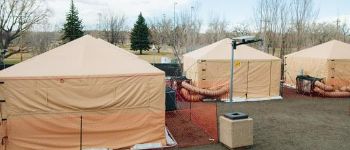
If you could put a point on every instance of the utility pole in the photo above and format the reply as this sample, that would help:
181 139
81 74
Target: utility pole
174 27
99 21
192 28
338 24
175 51
264 21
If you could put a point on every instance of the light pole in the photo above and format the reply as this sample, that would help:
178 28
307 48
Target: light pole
191 26
235 42
235 115
174 27
175 51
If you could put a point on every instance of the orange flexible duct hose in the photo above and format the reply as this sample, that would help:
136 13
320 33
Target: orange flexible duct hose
332 94
190 97
222 89
323 86
345 89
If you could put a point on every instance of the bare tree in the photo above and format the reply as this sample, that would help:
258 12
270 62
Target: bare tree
285 24
302 13
188 26
323 32
114 27
217 29
241 30
161 32
16 18
284 27
271 17
41 38
345 30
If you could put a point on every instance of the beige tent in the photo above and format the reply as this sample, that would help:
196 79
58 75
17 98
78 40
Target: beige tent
330 61
86 86
257 74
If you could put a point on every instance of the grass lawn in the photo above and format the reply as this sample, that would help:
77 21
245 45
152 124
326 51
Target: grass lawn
149 56
16 58
154 57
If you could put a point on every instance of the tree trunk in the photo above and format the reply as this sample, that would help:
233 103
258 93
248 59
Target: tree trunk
140 52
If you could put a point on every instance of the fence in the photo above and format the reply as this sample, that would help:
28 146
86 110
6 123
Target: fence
192 123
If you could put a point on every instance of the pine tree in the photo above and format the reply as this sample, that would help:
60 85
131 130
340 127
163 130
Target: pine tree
140 35
73 28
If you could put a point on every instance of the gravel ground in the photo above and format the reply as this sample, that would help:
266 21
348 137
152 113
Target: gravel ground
296 122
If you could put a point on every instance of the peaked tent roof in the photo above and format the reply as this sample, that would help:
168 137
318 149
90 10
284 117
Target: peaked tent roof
330 50
221 50
83 57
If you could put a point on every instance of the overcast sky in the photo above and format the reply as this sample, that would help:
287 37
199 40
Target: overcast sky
235 11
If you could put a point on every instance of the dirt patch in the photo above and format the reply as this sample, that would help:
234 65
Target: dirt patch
185 131
297 122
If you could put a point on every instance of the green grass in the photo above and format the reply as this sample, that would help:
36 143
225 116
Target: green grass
17 58
149 56
11 61
154 57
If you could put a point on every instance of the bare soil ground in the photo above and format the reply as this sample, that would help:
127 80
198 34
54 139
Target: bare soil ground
296 122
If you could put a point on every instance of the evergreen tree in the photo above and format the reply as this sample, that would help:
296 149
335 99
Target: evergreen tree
140 35
73 28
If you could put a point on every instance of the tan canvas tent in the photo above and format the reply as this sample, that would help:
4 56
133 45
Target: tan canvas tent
330 61
86 88
257 74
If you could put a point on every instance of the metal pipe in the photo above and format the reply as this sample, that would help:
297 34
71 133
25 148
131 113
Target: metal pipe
234 45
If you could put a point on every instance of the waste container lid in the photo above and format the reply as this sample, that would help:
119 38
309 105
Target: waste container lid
236 115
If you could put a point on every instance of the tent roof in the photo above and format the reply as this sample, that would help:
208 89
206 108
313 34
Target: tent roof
330 50
83 57
221 50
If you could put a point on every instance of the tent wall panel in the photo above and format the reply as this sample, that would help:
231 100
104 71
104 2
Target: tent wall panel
218 73
3 131
339 73
3 112
275 78
103 107
259 79
252 79
188 63
315 67
62 131
109 93
192 73
44 132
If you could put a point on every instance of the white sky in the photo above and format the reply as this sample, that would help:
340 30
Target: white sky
89 9
235 11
